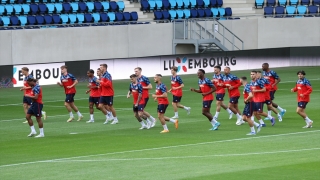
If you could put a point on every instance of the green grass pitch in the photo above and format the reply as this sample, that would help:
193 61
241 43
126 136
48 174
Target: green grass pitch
78 150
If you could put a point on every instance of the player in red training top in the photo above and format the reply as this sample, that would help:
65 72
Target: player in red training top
248 108
68 81
274 79
176 90
206 88
303 89
162 97
35 108
106 96
220 92
94 97
232 83
99 74
146 85
136 90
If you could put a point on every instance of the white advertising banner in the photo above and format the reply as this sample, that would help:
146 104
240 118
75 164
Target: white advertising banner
46 73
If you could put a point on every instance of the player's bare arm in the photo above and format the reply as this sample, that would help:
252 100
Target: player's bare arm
74 83
139 99
128 94
179 87
249 97
260 90
213 89
195 90
148 87
164 95
35 97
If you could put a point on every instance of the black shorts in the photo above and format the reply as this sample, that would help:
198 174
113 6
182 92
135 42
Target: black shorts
268 102
176 99
258 106
219 96
234 100
27 100
70 98
140 107
272 94
106 100
35 109
248 109
162 108
302 104
94 100
146 101
206 104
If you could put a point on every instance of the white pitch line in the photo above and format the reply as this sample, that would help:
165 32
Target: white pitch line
159 148
186 157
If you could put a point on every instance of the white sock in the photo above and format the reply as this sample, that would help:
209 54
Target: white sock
91 117
229 111
172 120
252 118
71 114
239 116
41 131
185 108
256 124
79 114
115 118
280 108
142 123
269 112
176 114
152 118
278 114
148 121
165 127
32 129
270 117
307 120
217 114
213 122
252 129
261 121
43 112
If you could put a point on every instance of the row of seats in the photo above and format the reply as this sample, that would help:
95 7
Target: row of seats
67 19
261 3
178 4
62 7
41 1
279 11
192 13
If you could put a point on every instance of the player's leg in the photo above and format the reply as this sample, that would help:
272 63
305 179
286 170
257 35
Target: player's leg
175 107
301 111
74 107
112 110
30 122
206 112
257 110
272 120
174 121
91 110
161 111
39 120
146 116
26 102
282 111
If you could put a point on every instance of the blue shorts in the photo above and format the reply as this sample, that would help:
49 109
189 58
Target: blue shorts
302 104
234 100
219 97
162 108
35 109
70 98
206 104
27 100
272 94
138 108
268 102
258 106
146 101
248 109
176 99
94 100
106 100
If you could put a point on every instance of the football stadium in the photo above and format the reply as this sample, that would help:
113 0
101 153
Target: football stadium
159 89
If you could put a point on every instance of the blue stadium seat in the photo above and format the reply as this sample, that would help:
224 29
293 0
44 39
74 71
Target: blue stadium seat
186 13
106 6
121 6
268 11
82 7
215 12
20 1
48 19
42 8
152 5
208 12
144 6
14 21
213 3
228 11
96 17
200 4
157 15
40 20
179 4
25 8
316 2
126 16
17 9
313 10
113 6
134 16
34 8
112 16
271 2
88 18
302 10
64 18
50 8
206 3
36 1
222 12
290 10
56 19
98 6
186 4
259 3
5 21
72 18
219 3
159 4
201 13
75 7
58 7
8 9
23 20
173 4
31 20
1 9
80 18
165 15
193 13
165 5
179 14
282 2
293 2
279 11
305 2
66 8
193 3
90 6
173 14
119 16
104 17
